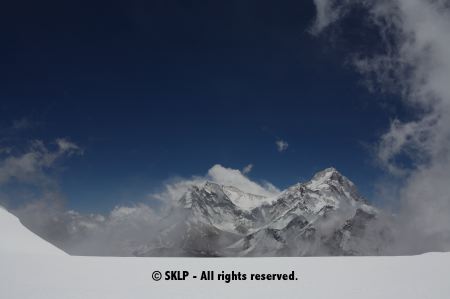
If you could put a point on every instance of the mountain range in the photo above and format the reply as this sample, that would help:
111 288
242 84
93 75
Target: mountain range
324 216
30 267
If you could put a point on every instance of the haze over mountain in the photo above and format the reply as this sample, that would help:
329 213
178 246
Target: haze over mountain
324 216
32 268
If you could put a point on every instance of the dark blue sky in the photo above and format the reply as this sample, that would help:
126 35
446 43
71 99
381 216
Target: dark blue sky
156 89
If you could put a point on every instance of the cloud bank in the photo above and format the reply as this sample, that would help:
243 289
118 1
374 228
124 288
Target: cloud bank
415 63
126 228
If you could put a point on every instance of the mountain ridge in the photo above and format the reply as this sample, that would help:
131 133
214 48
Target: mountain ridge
325 215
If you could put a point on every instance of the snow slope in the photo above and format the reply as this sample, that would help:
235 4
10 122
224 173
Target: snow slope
31 268
15 238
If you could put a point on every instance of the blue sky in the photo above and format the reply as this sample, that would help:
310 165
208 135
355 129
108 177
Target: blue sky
156 89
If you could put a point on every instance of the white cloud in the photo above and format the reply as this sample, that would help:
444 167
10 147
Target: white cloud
30 166
176 187
113 234
233 177
281 145
327 12
247 169
416 64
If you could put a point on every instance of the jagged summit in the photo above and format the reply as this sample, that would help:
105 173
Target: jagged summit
327 175
331 180
329 170
224 194
327 187
325 214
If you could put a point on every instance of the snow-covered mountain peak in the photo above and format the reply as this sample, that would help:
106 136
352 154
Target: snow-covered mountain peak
333 182
222 220
216 194
246 201
203 194
324 176
212 187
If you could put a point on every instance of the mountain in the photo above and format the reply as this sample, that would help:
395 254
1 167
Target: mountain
32 268
324 216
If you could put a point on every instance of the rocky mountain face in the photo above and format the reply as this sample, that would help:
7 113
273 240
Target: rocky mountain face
325 216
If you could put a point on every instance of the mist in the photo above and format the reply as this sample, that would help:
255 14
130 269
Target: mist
414 63
134 229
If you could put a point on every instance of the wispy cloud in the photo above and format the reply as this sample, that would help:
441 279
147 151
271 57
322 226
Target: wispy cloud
176 187
281 145
415 63
247 169
30 166
23 123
